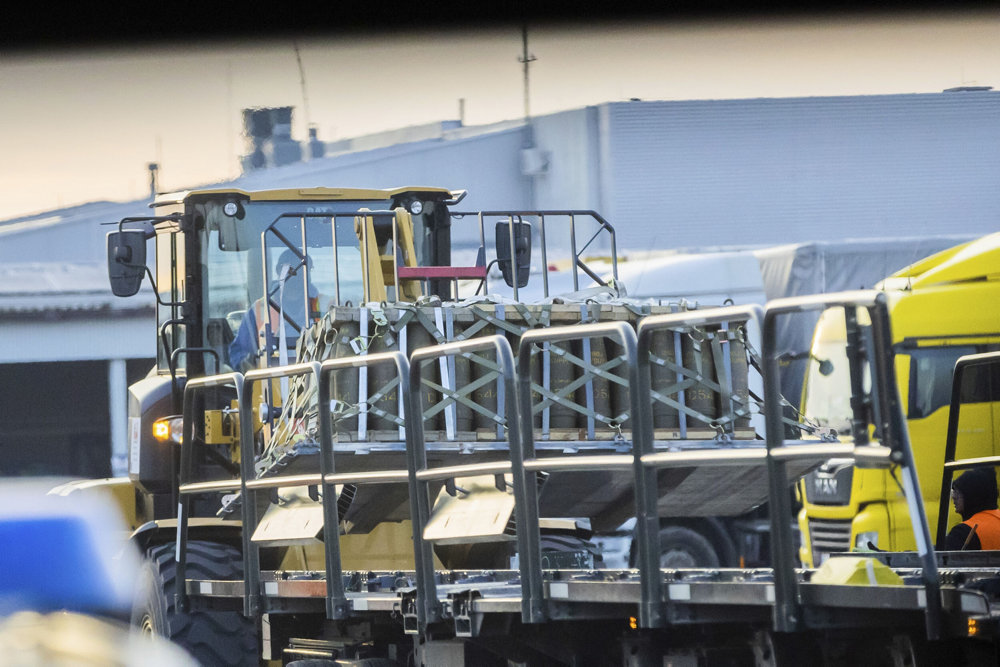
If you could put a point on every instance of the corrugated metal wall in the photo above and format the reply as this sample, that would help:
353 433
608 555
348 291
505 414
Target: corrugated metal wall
767 171
488 166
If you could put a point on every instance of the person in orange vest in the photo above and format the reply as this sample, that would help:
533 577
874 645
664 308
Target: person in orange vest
251 337
974 494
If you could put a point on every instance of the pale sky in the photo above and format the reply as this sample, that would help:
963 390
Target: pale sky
81 125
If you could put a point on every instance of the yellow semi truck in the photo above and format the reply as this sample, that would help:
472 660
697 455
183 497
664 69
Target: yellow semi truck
942 307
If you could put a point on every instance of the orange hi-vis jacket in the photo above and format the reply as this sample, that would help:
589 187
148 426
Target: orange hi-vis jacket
987 525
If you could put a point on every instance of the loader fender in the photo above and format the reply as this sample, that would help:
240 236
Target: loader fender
161 531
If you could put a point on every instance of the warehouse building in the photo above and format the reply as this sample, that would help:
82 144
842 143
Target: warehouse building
668 175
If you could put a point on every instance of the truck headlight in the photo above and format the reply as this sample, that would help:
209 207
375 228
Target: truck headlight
169 429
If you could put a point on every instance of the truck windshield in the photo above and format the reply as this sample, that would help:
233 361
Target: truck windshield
827 389
242 255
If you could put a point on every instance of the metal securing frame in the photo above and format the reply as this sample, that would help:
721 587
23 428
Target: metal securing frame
332 216
646 462
578 263
337 604
523 460
653 612
186 490
428 607
454 274
246 485
787 616
962 364
251 552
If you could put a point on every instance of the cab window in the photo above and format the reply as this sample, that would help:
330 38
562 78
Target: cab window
931 371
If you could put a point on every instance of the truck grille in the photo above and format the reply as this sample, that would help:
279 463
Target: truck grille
829 536
829 485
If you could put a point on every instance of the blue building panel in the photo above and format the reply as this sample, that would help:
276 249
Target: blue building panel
771 171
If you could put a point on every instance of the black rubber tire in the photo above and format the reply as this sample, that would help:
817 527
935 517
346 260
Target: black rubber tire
684 548
776 649
211 637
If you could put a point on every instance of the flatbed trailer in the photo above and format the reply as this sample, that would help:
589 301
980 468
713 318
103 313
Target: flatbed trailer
541 611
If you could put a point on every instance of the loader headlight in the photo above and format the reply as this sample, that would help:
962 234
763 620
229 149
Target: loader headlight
169 429
234 209
416 207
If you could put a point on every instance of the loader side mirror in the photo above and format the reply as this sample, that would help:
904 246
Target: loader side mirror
126 261
521 253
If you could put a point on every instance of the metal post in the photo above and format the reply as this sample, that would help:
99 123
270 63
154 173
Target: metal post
118 415
336 270
545 257
416 459
513 252
185 472
900 445
337 604
572 247
786 616
336 601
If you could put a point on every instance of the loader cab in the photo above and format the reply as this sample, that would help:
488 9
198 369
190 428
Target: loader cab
217 258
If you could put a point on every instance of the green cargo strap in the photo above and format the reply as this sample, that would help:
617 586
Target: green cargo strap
590 371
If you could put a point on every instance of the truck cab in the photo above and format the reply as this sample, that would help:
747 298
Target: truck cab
941 309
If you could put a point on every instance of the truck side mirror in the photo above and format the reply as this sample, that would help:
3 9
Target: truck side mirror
126 261
522 251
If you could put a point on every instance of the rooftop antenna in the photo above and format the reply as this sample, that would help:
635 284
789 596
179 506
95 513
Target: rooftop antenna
153 182
526 59
302 81
230 152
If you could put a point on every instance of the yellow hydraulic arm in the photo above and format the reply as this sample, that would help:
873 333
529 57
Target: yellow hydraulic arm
378 274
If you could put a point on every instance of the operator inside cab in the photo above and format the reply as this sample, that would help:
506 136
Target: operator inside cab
974 494
287 303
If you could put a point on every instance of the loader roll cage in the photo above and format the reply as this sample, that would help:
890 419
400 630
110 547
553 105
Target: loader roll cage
780 598
370 228
385 263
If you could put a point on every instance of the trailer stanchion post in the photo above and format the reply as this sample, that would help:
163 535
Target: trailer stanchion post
786 605
428 607
337 605
522 451
186 470
885 408
654 609
894 429
526 495
647 525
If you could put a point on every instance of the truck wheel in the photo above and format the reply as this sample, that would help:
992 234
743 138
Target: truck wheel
684 548
776 649
212 637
